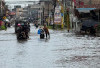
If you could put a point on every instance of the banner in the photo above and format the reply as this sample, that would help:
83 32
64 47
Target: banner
57 15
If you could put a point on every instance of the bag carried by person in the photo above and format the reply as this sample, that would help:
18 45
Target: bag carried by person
39 31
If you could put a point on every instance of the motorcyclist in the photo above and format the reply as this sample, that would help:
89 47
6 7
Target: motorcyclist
26 30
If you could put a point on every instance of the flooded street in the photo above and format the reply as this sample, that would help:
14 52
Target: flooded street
73 25
62 50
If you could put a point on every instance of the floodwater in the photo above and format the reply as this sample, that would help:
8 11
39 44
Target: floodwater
62 50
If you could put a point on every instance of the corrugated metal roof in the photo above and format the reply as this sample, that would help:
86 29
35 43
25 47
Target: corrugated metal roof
85 9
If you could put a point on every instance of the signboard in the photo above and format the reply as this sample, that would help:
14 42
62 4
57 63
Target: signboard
57 15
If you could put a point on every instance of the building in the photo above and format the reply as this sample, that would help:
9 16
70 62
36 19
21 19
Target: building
88 3
34 12
22 13
19 12
3 8
48 7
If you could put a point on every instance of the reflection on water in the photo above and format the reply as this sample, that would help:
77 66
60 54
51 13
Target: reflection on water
43 40
22 41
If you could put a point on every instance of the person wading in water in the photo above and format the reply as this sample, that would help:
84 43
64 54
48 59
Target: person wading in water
46 31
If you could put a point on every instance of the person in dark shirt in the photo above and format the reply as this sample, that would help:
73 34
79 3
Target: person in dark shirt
46 31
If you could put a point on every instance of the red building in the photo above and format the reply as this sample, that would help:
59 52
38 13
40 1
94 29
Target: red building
87 3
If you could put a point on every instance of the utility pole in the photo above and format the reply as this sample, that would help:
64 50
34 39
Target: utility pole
99 15
54 5
1 8
43 16
40 16
48 12
48 9
64 11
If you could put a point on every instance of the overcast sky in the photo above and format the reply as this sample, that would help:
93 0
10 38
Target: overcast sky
21 0
12 3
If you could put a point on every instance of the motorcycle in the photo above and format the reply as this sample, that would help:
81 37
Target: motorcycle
22 35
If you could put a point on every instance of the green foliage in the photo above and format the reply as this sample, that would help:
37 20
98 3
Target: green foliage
3 27
50 27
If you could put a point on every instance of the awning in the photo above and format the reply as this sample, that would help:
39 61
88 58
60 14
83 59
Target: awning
12 13
85 10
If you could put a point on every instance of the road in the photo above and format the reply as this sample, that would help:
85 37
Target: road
62 50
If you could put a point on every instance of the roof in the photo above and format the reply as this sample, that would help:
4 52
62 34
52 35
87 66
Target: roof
85 9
